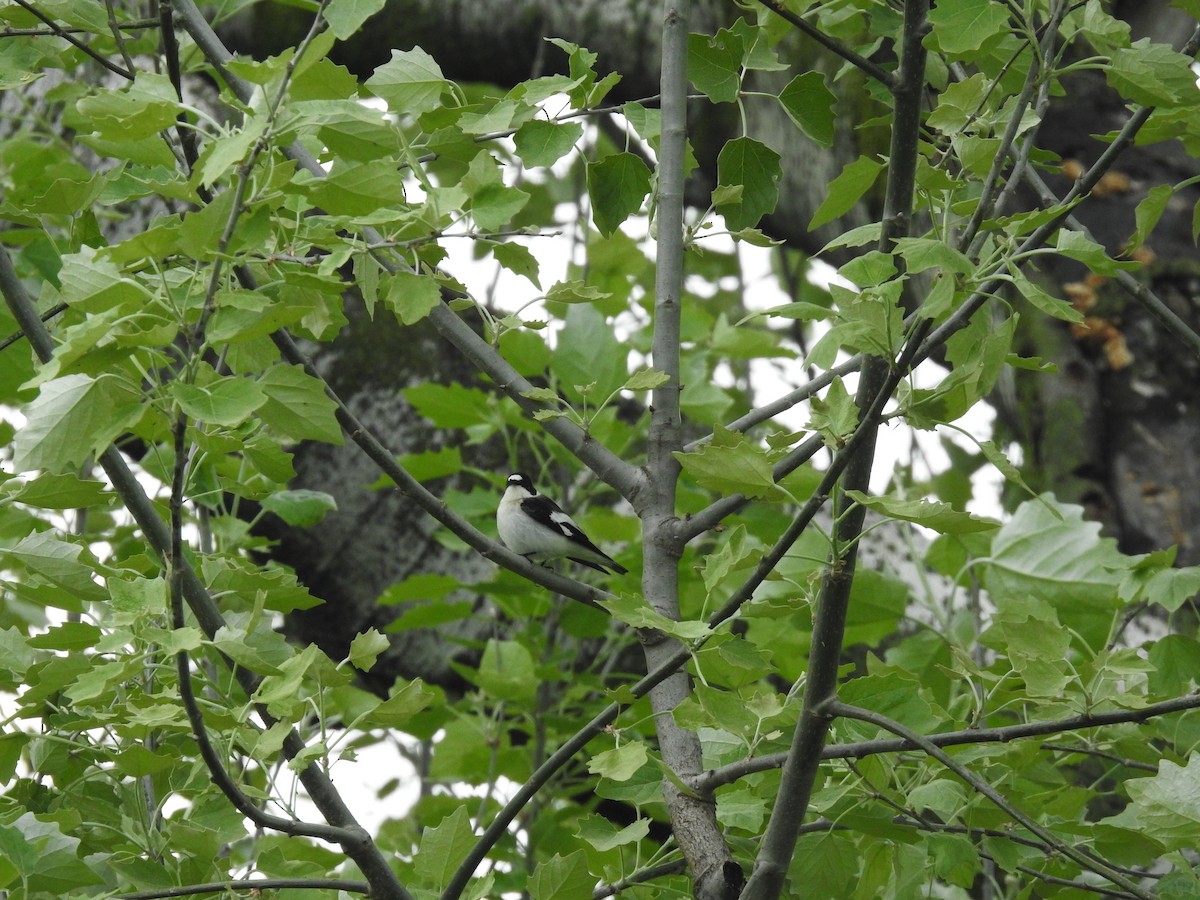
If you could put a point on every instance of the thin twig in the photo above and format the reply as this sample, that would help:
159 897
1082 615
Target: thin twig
714 778
836 708
71 39
884 77
352 837
45 317
251 884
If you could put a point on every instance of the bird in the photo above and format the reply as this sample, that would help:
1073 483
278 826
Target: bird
534 526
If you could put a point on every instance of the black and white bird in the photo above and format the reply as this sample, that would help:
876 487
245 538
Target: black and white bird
534 526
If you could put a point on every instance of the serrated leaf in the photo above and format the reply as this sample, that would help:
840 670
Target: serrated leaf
226 401
1053 306
1077 246
345 17
960 26
714 65
646 380
575 292
941 517
412 297
755 166
562 878
411 82
297 406
637 613
1148 212
617 185
1165 806
809 104
506 672
835 415
58 563
300 507
443 846
542 143
846 190
730 464
620 763
1055 557
518 259
366 647
72 418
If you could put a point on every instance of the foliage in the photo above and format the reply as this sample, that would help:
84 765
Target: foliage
1072 759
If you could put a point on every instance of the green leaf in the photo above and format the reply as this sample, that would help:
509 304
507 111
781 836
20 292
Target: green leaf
50 491
562 878
366 647
846 190
411 82
302 507
506 672
138 111
809 104
1153 74
1077 246
442 847
714 65
73 418
834 416
412 297
921 254
575 292
961 26
588 352
93 284
518 259
1053 306
637 613
345 17
1148 212
620 763
941 517
755 167
297 406
617 185
604 836
1166 806
542 143
1053 555
730 464
449 405
227 401
58 563
358 188
646 380
147 595
67 636
405 700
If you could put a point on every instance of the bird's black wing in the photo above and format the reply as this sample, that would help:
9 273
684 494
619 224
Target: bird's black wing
546 512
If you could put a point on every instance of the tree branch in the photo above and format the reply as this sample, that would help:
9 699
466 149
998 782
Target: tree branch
621 475
884 77
73 41
829 619
366 441
351 836
715 876
1040 235
714 778
1086 861
251 884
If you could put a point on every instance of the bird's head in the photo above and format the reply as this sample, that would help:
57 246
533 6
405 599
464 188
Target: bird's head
521 480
